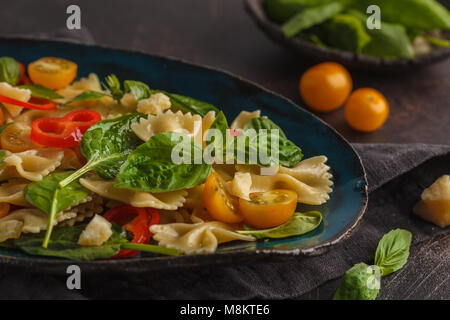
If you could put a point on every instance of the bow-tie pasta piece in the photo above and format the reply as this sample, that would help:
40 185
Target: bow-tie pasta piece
22 220
32 165
12 192
207 121
157 103
244 117
310 179
164 200
189 124
15 93
90 206
203 237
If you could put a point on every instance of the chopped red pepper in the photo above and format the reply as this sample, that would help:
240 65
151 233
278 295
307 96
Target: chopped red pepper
23 77
134 220
44 105
64 132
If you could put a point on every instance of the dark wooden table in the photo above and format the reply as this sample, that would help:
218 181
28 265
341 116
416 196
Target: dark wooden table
219 33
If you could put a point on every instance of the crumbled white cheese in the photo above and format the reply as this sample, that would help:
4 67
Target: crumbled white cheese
157 103
15 93
96 233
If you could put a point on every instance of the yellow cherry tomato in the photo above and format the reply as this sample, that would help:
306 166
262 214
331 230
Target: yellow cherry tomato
326 86
366 110
16 138
4 209
53 73
268 209
220 205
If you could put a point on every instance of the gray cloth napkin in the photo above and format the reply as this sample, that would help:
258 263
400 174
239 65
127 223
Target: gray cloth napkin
397 174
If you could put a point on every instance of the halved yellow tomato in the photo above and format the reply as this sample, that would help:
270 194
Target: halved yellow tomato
16 138
53 73
268 209
220 205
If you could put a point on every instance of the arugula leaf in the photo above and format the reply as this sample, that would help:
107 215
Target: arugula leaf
347 32
106 146
188 104
393 251
52 199
113 86
299 224
39 91
151 166
139 89
87 95
391 41
310 17
64 244
359 283
9 70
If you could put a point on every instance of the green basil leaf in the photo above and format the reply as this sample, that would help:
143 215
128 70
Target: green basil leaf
64 244
39 91
188 104
151 166
263 123
310 17
393 251
360 282
412 14
299 224
52 199
347 32
282 10
87 95
106 146
113 86
139 89
9 70
391 41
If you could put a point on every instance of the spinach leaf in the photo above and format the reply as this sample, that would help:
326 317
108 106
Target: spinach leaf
391 41
188 104
288 153
9 70
263 123
52 199
139 89
310 17
347 32
299 224
282 10
39 91
359 283
64 244
393 251
113 86
106 146
412 14
87 95
152 167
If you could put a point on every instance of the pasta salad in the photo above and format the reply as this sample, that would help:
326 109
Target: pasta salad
97 169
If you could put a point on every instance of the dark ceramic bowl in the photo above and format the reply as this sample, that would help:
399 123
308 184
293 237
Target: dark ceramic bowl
342 213
349 59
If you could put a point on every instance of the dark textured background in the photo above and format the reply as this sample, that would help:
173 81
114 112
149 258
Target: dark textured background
220 34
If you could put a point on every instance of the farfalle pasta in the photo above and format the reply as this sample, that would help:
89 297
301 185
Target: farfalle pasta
104 168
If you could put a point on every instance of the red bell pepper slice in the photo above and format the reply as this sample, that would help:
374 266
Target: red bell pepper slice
23 77
134 220
44 105
65 132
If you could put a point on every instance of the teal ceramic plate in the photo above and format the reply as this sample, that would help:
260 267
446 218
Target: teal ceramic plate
232 94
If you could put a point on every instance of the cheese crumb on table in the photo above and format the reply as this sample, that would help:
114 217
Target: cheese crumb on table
434 205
